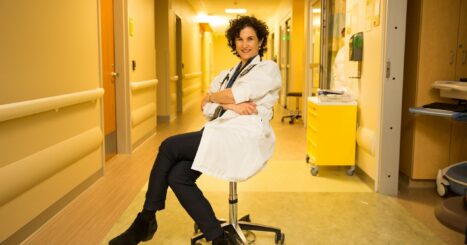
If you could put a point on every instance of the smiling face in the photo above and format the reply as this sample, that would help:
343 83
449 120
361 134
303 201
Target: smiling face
247 44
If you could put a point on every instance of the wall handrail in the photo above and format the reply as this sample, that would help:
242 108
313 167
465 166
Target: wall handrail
20 176
192 75
29 107
189 90
141 114
143 84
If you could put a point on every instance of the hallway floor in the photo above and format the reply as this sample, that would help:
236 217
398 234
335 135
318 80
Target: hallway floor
331 208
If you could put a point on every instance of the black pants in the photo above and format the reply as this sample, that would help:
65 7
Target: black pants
173 168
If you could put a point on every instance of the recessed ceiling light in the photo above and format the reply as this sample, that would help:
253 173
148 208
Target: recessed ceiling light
235 11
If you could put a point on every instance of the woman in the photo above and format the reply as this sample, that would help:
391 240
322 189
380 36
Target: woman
234 145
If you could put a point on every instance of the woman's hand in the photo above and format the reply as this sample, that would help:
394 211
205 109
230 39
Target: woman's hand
245 108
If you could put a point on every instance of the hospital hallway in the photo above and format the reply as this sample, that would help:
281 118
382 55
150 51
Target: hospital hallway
89 90
331 208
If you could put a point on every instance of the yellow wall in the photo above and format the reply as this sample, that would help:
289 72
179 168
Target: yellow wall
283 11
368 88
223 58
164 111
166 12
142 51
207 59
191 53
142 42
48 48
297 47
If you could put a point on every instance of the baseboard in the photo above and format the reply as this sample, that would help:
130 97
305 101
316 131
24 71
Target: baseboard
30 228
365 178
163 119
406 182
110 145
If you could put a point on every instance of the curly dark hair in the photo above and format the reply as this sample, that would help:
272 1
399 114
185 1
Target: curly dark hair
237 24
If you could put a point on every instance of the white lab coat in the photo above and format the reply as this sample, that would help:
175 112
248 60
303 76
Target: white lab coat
235 147
339 69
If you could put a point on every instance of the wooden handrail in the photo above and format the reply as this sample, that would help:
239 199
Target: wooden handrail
143 84
30 107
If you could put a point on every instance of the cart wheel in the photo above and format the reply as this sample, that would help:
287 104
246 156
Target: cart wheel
280 240
314 171
441 189
307 158
350 171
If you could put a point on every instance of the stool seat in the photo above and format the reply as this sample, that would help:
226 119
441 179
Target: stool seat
234 226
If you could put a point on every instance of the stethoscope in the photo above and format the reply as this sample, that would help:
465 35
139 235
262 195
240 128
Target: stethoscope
241 71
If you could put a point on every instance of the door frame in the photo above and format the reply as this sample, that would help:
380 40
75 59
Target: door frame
122 67
387 157
387 175
308 56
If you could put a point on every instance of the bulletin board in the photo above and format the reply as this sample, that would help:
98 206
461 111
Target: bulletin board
372 14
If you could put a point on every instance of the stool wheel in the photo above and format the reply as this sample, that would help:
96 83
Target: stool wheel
280 239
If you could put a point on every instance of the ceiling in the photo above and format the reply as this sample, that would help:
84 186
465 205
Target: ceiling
214 9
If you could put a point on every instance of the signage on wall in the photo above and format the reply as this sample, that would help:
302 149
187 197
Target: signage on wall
131 27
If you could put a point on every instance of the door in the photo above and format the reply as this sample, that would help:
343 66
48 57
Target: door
108 77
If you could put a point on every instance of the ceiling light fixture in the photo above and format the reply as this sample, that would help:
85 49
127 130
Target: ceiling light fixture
202 18
235 11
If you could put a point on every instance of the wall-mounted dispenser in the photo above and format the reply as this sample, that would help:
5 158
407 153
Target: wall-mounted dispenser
356 47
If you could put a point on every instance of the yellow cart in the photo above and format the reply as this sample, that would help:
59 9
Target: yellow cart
331 131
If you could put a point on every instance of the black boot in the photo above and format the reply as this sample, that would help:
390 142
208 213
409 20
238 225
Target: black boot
141 230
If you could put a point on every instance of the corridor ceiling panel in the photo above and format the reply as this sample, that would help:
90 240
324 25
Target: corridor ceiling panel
262 9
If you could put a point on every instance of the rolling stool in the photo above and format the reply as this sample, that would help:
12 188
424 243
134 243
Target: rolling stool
294 114
234 226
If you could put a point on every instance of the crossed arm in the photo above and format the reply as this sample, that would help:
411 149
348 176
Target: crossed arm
226 100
